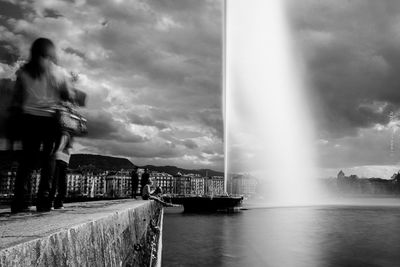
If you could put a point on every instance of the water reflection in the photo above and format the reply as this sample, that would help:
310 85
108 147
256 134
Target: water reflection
273 237
292 236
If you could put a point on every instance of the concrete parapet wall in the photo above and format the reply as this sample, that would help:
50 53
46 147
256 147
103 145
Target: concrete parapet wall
117 234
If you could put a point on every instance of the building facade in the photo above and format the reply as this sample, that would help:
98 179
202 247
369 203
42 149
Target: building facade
7 182
118 184
74 183
197 185
243 185
35 180
214 185
182 185
164 180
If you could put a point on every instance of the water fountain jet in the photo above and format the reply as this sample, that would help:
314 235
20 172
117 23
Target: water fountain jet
268 124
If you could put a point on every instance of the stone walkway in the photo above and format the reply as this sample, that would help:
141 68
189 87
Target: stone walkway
23 227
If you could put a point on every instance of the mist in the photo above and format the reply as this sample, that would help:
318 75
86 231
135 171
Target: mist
269 127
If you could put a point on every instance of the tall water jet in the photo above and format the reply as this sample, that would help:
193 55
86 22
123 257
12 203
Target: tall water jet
268 124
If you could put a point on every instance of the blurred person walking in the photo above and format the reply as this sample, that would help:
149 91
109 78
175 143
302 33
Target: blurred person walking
134 182
40 85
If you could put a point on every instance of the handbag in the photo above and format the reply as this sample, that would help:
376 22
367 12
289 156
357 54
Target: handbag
71 121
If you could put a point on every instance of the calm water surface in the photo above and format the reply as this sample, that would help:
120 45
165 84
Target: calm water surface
340 235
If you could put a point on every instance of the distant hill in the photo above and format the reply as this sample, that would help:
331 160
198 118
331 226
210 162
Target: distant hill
110 163
114 163
99 162
174 170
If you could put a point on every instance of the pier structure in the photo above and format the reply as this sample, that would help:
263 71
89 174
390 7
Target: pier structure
100 233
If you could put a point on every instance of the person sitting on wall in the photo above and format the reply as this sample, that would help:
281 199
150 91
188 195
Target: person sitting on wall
147 192
144 180
155 194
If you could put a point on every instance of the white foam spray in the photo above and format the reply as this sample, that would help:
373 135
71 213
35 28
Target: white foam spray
268 127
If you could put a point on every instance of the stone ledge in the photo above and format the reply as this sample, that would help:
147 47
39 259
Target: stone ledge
103 233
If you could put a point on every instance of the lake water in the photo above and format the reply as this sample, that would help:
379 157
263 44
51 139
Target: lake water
355 234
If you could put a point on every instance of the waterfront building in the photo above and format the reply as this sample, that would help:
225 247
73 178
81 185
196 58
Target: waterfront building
214 185
349 184
100 184
242 185
395 178
182 185
93 183
140 172
87 185
7 181
164 180
74 182
35 180
375 186
197 185
118 184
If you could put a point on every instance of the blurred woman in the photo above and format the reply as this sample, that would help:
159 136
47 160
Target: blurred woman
40 85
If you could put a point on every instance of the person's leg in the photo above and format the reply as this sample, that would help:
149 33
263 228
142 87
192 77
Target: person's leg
59 165
54 185
49 136
30 151
162 202
132 191
135 188
141 189
62 184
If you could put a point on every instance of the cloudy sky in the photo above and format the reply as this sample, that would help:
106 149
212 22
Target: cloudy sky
351 50
151 69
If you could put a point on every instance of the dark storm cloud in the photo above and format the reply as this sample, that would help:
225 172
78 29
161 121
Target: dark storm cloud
352 55
190 144
51 13
352 52
212 119
134 150
208 151
74 51
101 125
13 10
371 147
146 121
169 114
8 53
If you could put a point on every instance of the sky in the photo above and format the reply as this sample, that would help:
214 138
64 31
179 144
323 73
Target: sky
152 70
351 54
